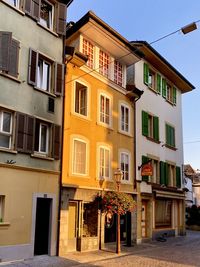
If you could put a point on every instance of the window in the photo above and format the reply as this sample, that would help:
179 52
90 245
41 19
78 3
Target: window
45 74
105 109
37 136
81 96
118 73
104 162
15 3
9 54
169 92
79 156
178 177
88 50
5 129
42 137
163 213
170 135
150 77
150 126
125 165
46 14
124 118
103 63
2 203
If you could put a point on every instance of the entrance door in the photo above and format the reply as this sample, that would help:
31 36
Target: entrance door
42 226
72 222
144 219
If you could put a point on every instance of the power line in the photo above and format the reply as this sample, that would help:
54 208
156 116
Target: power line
136 50
192 142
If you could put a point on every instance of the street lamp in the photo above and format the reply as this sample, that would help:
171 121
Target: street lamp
118 174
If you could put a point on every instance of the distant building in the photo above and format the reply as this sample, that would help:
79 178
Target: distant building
159 143
188 175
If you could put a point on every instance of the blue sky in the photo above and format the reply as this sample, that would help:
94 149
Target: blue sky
149 20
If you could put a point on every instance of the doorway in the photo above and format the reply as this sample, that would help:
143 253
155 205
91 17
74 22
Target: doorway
144 219
42 226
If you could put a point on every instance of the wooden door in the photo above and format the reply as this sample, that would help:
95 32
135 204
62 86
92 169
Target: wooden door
144 219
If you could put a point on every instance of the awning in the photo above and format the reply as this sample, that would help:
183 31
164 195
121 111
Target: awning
171 195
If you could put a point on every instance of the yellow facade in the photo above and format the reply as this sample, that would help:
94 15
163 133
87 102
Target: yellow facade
94 132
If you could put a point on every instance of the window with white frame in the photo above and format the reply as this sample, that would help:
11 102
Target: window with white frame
79 157
44 74
88 50
2 202
104 162
81 99
125 165
42 137
46 14
15 3
105 109
5 128
124 118
118 73
103 63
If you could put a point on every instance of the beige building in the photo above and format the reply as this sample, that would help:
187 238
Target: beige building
31 89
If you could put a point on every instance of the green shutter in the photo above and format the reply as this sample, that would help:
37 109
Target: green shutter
174 95
158 83
146 74
144 160
167 132
164 88
166 174
178 176
156 128
144 123
172 136
162 172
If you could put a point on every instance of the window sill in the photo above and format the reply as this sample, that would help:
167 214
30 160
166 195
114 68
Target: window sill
152 140
2 224
41 156
170 102
171 147
8 150
125 133
105 125
47 29
10 77
44 92
14 8
79 116
153 90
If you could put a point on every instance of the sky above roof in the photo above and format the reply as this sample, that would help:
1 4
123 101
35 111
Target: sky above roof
150 20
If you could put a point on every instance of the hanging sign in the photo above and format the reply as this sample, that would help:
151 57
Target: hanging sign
147 170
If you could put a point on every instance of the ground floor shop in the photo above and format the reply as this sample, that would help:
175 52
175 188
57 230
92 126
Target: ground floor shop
83 227
28 211
160 213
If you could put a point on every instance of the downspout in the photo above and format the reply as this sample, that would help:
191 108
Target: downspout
61 149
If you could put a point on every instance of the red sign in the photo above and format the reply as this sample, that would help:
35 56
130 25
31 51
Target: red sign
147 170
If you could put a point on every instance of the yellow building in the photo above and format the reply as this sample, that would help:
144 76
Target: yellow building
98 132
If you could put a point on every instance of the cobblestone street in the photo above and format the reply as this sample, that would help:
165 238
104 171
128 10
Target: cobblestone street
180 251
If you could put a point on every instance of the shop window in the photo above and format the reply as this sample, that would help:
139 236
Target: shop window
163 213
90 220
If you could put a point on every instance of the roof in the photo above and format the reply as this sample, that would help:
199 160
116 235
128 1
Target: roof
152 56
90 15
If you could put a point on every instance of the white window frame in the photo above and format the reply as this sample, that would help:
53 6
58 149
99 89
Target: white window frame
73 156
125 106
87 100
104 69
116 73
51 17
1 127
14 3
128 154
109 124
104 148
90 63
47 138
40 76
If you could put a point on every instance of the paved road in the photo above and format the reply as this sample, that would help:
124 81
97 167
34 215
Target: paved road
180 251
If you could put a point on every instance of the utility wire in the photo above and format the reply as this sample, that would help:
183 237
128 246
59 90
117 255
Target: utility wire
136 50
192 142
